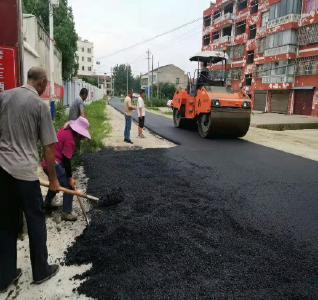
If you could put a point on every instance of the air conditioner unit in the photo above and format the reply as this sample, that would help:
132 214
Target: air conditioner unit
55 3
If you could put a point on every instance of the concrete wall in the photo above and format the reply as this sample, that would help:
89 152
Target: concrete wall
85 56
72 89
37 49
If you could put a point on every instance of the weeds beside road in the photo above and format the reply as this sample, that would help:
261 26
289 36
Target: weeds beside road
99 125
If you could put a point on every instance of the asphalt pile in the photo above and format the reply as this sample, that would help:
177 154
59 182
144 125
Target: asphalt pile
176 237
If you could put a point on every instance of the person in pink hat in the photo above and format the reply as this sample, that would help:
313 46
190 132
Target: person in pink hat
64 149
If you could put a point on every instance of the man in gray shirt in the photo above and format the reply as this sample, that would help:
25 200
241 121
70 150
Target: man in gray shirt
24 120
77 107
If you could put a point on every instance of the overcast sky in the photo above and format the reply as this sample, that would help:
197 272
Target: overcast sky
116 24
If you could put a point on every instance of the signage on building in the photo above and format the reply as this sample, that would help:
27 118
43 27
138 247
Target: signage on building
8 68
315 102
58 91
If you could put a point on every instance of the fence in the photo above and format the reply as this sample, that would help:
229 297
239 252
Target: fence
72 89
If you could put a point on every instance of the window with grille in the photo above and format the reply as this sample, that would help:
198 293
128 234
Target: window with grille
89 69
216 14
248 79
89 59
307 66
89 50
252 32
250 57
83 68
241 27
308 34
284 7
227 31
207 21
254 7
282 38
265 18
229 8
215 35
281 67
206 40
236 73
242 4
83 50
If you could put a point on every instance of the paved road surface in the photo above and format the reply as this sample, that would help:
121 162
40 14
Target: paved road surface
279 191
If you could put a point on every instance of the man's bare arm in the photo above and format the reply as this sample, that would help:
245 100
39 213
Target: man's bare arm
82 113
50 162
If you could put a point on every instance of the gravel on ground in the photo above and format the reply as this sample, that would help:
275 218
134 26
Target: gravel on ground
175 237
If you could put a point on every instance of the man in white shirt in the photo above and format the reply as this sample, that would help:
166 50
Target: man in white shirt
141 113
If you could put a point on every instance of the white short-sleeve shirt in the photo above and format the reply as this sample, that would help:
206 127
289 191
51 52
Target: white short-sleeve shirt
141 104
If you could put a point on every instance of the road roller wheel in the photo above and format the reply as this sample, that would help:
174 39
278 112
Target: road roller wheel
205 125
177 120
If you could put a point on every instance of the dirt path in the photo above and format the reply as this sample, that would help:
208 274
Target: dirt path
116 137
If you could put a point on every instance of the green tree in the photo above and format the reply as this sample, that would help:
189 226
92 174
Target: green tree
120 78
166 90
65 35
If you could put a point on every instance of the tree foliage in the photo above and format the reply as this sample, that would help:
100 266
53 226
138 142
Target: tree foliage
120 80
65 35
166 90
91 80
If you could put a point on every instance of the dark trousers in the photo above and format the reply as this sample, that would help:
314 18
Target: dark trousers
128 121
26 195
67 198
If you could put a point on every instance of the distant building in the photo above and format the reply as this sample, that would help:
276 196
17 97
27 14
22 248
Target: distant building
273 50
106 81
85 56
168 73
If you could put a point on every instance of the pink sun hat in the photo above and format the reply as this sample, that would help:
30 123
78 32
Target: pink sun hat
81 126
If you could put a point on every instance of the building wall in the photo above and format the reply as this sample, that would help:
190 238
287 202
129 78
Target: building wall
301 53
85 58
169 73
37 49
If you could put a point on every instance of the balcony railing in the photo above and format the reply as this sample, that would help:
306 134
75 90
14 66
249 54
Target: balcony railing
283 20
281 50
227 16
223 39
278 79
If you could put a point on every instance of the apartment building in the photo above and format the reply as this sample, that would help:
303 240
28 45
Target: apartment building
85 56
273 50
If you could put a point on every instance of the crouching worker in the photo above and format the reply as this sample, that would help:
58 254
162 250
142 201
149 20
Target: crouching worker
64 149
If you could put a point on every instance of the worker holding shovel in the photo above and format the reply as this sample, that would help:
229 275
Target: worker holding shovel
64 149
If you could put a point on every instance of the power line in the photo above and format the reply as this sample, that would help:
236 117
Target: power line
150 39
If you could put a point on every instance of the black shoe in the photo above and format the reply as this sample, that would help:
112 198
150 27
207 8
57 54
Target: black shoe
129 142
53 269
18 275
125 140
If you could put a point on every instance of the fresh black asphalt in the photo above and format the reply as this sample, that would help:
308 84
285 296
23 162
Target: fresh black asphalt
280 189
207 219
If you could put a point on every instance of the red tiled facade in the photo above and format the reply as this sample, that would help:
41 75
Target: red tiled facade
273 50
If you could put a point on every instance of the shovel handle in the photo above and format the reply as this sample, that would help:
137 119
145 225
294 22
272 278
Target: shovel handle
75 193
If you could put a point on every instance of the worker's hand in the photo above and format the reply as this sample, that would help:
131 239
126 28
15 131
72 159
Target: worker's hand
72 184
54 186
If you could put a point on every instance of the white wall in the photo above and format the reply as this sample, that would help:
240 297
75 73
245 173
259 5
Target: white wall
72 90
37 50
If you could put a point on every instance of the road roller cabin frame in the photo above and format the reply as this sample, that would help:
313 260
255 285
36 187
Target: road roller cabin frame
217 110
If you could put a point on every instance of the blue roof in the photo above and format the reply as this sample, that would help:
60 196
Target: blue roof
303 88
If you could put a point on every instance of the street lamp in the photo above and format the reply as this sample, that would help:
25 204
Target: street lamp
52 4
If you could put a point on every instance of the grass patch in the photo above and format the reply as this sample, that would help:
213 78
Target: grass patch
170 113
153 108
99 129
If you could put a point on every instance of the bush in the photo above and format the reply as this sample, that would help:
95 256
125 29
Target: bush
155 102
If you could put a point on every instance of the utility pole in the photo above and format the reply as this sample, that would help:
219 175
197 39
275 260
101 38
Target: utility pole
127 79
152 82
111 82
148 57
158 82
52 96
